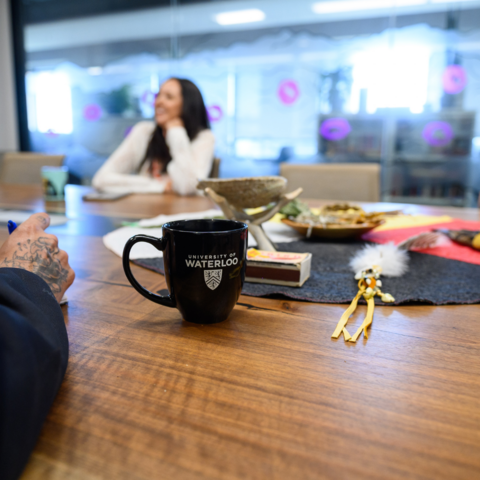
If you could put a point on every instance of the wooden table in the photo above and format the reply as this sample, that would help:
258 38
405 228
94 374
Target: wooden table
266 394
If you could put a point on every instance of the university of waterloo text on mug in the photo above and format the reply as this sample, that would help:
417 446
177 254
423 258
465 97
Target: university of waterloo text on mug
204 262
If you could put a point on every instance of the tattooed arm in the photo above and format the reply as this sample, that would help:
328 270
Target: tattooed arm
33 338
30 248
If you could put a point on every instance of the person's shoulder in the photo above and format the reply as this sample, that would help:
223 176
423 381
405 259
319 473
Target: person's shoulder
206 134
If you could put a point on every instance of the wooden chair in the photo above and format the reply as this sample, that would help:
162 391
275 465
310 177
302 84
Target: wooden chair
338 181
24 168
215 171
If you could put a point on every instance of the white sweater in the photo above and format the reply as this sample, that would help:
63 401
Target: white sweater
191 160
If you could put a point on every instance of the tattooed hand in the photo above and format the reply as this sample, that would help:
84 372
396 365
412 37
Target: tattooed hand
30 248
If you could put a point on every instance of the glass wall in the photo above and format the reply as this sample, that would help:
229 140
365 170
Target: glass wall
332 81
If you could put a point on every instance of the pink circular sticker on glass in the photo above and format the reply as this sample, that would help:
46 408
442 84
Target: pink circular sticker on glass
288 92
215 113
148 97
454 79
335 129
92 112
437 134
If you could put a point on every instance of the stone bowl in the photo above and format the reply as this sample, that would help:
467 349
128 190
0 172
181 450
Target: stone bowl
247 192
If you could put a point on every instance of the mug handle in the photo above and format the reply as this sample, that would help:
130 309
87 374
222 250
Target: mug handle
159 244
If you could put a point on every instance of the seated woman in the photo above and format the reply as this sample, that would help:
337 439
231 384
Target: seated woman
171 153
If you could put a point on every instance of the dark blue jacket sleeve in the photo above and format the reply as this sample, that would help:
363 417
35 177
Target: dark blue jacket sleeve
33 360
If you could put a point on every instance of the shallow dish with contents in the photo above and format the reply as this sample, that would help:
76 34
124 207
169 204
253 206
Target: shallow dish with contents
333 230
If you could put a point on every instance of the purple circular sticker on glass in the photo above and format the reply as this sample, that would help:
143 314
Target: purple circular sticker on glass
454 79
437 134
335 129
92 112
149 97
215 113
288 92
127 131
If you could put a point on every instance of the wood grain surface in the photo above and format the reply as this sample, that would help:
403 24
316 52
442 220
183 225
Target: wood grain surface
266 394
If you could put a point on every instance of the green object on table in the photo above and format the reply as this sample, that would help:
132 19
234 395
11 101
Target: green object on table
295 208
54 180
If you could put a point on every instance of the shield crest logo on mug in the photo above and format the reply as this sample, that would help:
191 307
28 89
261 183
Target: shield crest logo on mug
212 278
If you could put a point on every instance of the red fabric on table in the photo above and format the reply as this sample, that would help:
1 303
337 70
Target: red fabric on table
451 250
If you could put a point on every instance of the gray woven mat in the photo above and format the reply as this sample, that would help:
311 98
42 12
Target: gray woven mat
430 279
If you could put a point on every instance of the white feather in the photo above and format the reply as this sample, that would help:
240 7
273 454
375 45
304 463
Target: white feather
393 261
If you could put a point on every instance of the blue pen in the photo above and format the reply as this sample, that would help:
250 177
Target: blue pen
11 226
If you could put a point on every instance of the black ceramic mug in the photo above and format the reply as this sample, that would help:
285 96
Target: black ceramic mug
204 262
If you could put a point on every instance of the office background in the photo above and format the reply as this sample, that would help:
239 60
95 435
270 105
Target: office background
394 83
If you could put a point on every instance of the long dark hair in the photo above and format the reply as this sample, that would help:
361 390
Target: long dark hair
194 116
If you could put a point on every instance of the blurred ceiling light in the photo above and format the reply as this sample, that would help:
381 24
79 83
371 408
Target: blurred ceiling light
450 1
240 16
94 70
355 5
408 3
